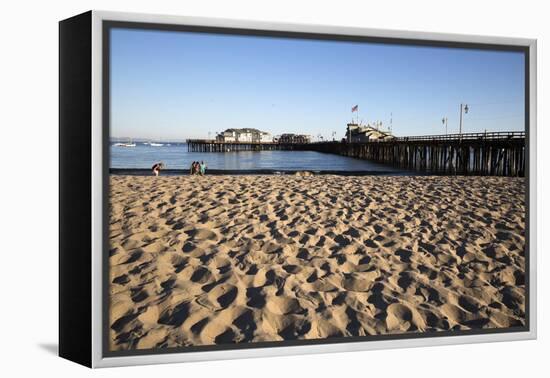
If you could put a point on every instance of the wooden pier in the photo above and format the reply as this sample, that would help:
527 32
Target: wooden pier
212 145
493 154
490 153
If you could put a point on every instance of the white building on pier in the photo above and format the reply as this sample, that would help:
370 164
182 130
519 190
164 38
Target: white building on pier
245 135
359 133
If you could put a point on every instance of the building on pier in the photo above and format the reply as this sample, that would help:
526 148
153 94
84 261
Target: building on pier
245 135
356 133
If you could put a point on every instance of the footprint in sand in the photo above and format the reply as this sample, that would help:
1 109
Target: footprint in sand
175 316
201 275
403 318
255 297
179 263
121 280
283 305
218 296
361 281
246 323
202 234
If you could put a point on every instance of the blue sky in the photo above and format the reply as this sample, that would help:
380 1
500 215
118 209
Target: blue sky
178 85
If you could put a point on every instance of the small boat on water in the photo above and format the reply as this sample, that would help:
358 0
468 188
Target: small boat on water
127 144
156 144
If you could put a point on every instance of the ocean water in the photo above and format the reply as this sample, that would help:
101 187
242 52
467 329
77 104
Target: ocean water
176 156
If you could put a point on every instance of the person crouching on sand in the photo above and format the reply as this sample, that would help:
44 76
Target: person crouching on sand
202 168
156 168
195 168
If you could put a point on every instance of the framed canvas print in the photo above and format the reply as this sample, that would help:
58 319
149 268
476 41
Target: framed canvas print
234 189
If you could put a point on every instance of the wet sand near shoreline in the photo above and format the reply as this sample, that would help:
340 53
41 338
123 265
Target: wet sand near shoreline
231 259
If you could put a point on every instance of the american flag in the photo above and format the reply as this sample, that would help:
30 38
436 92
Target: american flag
355 108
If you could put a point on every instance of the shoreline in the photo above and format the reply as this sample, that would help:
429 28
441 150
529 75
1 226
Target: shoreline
285 172
246 172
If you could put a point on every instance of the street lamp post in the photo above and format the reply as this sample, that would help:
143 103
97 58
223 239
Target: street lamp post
463 108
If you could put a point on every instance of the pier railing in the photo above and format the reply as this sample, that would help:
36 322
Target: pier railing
487 136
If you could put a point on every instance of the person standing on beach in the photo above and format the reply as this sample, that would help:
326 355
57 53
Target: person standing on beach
202 168
192 170
156 168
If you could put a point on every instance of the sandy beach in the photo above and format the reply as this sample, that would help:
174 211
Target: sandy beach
231 259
